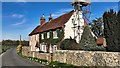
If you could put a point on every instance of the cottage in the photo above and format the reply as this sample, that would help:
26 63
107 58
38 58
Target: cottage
47 36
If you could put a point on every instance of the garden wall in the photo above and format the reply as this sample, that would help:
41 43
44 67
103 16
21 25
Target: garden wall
87 58
78 58
26 52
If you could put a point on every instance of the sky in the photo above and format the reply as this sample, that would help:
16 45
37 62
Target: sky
20 18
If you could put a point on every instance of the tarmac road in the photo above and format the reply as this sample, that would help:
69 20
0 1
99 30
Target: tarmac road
11 58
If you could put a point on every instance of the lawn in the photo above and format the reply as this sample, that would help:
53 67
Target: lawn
0 49
4 48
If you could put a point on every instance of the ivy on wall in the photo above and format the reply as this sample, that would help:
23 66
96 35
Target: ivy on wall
51 40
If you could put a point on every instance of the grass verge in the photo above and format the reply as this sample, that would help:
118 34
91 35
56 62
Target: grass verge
5 48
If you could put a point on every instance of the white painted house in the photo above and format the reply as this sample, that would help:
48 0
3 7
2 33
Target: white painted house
72 24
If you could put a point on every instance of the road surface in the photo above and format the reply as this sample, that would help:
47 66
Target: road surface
11 58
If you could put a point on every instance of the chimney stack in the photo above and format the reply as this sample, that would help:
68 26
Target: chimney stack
42 20
50 18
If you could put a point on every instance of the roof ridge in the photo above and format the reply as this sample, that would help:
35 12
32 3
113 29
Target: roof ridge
53 24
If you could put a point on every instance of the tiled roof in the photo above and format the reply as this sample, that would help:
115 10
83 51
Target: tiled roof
53 24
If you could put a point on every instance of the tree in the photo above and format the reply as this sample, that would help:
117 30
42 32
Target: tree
25 43
111 30
118 18
97 26
87 41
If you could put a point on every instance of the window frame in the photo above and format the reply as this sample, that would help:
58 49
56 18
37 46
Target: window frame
42 36
48 34
55 34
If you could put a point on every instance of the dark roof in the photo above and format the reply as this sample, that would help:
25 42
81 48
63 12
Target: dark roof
53 24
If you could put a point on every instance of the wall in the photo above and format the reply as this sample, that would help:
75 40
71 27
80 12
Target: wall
26 52
78 58
89 58
45 56
33 41
68 26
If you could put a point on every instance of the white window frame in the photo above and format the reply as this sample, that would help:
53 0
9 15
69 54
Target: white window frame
55 34
55 47
42 36
37 37
48 34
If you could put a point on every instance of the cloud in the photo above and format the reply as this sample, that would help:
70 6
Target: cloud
19 23
17 15
21 1
64 10
60 12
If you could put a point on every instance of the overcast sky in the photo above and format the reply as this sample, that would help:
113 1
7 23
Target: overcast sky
20 18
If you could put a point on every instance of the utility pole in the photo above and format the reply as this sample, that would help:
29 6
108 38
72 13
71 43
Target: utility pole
119 6
20 41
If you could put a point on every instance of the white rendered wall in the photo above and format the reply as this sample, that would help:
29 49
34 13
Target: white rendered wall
68 26
33 40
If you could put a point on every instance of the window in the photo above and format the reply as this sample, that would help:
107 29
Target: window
48 34
55 34
37 37
42 36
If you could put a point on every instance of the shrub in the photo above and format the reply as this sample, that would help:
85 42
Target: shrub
69 44
87 41
97 48
19 48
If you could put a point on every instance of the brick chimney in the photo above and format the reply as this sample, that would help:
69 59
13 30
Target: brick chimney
42 20
50 18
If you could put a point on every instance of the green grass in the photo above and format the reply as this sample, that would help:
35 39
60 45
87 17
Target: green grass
4 48
56 64
0 49
41 61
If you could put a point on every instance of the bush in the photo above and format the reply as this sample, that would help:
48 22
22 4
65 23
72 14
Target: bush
88 43
69 44
4 48
97 48
19 48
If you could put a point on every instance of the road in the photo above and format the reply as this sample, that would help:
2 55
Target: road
11 58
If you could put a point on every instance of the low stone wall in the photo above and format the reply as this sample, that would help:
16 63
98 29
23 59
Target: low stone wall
45 56
78 58
26 52
87 58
